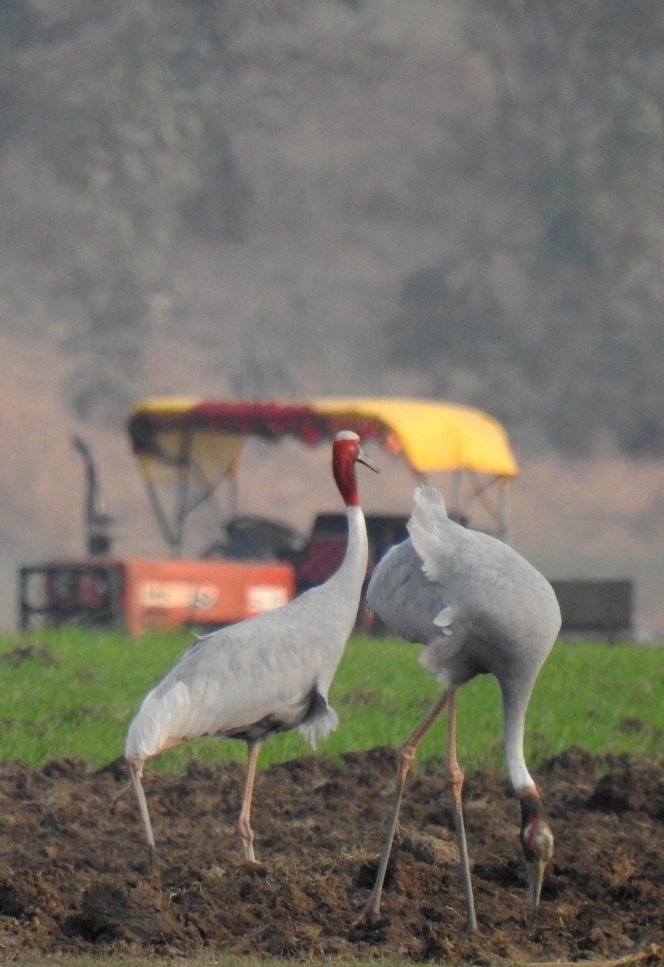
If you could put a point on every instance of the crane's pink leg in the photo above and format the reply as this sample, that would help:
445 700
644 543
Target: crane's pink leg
456 781
406 759
244 822
135 767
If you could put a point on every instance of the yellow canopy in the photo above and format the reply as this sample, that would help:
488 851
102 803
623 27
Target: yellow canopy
435 436
195 444
431 436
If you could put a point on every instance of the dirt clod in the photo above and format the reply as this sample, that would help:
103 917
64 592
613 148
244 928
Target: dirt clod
74 872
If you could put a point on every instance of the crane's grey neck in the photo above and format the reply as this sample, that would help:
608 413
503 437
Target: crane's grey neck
518 773
358 544
353 568
514 711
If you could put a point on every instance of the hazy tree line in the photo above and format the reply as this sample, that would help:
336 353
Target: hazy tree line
558 283
544 304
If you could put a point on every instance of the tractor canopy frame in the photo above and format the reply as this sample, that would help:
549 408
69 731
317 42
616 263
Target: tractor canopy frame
186 448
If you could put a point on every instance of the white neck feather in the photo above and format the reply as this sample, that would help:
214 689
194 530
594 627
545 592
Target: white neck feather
515 718
352 570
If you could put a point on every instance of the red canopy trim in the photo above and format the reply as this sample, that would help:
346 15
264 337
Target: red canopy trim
270 421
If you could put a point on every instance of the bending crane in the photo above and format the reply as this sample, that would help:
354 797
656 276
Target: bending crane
478 607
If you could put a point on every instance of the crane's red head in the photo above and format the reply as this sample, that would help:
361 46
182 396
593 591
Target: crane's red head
346 452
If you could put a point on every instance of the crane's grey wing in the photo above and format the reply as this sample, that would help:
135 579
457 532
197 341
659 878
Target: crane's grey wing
470 598
402 596
253 678
431 587
468 566
493 592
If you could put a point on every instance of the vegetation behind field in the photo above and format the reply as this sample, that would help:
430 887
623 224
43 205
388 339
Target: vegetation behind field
73 693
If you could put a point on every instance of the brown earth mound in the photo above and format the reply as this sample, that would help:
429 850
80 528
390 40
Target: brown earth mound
74 874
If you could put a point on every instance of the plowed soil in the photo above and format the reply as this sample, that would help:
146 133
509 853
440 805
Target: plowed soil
74 875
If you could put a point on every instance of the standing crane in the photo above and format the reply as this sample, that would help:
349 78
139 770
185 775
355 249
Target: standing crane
268 674
478 607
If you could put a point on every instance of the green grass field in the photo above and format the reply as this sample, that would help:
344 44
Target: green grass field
74 692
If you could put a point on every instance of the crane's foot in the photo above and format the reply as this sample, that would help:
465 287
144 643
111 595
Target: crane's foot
369 921
248 848
369 914
377 876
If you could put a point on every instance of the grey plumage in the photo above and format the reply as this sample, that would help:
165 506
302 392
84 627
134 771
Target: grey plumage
265 675
478 607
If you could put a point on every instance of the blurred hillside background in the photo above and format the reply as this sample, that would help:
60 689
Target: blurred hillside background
457 199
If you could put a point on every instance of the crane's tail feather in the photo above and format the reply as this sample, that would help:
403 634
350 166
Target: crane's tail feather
428 518
319 726
160 717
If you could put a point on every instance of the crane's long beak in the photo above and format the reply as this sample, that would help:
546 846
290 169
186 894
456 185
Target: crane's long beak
363 458
535 878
